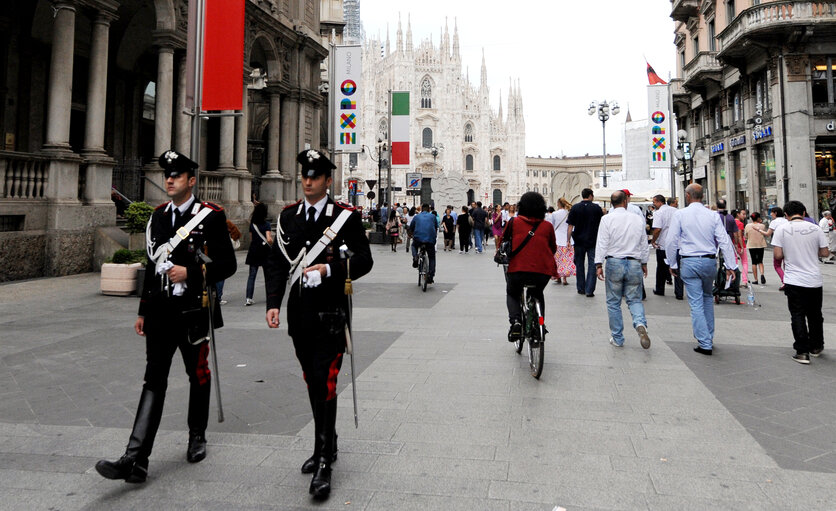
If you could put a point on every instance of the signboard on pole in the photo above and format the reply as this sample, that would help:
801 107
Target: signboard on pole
658 130
399 128
413 180
347 97
223 58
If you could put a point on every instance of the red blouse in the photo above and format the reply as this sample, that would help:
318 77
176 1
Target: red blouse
538 254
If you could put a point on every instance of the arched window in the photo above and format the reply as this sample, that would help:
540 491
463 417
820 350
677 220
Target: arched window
426 94
496 163
535 189
383 129
468 133
427 137
497 196
468 162
545 189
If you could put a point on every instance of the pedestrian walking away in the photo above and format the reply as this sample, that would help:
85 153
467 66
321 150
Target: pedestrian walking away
310 237
755 242
661 225
740 246
799 244
564 257
189 251
622 244
826 225
778 220
583 221
261 240
696 233
464 227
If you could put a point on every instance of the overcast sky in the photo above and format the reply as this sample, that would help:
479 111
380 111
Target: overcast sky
565 53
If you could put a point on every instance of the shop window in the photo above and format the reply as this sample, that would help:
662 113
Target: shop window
766 177
822 73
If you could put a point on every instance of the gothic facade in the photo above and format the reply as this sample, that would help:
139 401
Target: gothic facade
454 132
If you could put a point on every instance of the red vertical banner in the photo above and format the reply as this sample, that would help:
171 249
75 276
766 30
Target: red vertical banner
223 55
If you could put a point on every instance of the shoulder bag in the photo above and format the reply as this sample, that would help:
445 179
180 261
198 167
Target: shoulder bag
505 253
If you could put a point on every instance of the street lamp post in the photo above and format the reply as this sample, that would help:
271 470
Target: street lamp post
603 109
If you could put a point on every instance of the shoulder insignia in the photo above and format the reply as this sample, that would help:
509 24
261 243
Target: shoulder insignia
292 205
163 205
212 206
345 205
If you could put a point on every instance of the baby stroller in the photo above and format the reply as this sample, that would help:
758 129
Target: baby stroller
720 289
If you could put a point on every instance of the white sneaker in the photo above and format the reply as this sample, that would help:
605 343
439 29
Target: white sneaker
223 302
612 341
248 302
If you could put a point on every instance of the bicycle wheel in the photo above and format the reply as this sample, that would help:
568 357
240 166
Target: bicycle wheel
536 337
425 264
421 274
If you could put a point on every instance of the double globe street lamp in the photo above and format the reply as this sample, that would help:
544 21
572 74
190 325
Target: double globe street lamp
604 110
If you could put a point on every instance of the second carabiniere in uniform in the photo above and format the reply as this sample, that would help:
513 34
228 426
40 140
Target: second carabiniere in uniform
320 245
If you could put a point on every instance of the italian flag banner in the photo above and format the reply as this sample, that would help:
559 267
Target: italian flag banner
399 129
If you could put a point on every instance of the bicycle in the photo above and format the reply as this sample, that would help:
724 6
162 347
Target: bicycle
423 267
533 330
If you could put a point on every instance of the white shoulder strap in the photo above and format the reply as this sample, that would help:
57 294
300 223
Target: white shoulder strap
327 237
181 234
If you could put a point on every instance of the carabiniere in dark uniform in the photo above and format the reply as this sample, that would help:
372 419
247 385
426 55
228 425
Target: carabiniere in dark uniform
175 315
317 315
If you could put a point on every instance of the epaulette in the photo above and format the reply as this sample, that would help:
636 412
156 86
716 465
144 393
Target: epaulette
292 205
163 205
212 206
345 205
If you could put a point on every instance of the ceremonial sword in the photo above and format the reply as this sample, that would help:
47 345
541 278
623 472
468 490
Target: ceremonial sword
345 253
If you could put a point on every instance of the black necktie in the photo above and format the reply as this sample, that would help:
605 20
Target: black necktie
177 217
311 216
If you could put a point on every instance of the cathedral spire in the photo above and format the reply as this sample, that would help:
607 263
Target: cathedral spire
408 34
456 54
445 42
500 109
388 47
483 83
400 35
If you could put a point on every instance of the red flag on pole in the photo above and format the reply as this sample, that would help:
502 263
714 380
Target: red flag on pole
653 78
223 58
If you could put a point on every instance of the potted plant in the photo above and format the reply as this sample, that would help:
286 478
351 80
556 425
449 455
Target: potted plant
120 272
137 215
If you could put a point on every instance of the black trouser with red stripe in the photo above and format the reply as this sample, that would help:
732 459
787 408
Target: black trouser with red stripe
165 333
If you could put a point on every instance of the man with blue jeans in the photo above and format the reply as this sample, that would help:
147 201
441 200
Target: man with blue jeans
622 243
583 221
697 232
424 232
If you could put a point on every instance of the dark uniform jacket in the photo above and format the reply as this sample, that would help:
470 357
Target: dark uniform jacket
311 311
210 236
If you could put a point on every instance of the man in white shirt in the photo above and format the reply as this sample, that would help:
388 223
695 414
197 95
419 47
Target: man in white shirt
661 224
799 244
778 219
697 232
623 244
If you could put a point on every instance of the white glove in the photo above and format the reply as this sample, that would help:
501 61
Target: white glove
313 278
179 287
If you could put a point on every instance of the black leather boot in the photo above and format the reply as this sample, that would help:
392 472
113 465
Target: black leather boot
321 482
198 419
310 464
133 465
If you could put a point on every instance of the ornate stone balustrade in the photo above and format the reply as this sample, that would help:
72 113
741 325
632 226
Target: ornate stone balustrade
23 175
772 15
211 187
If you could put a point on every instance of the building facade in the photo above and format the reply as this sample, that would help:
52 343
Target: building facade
454 132
566 176
755 95
92 91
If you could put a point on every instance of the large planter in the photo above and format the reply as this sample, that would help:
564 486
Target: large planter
119 279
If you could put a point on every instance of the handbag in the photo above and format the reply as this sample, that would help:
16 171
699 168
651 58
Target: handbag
505 253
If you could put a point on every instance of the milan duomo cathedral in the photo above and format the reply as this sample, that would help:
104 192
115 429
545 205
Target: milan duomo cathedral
479 152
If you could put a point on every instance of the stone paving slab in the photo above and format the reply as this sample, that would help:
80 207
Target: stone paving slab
449 416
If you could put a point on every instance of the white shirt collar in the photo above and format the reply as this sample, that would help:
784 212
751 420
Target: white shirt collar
319 206
182 207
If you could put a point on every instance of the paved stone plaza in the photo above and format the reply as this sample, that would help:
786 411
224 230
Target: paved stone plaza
449 416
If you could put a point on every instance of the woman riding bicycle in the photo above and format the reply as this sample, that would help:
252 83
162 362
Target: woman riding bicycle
534 264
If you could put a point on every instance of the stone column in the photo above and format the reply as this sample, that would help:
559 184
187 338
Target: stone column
164 100
245 178
98 175
276 128
60 78
291 144
226 160
182 122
